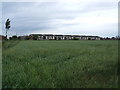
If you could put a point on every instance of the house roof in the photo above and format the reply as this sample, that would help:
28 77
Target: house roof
64 35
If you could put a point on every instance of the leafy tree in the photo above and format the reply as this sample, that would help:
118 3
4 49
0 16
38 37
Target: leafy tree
10 38
14 37
19 37
27 38
35 37
75 38
7 26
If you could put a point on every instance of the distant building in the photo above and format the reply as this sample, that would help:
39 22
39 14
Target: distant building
2 37
62 37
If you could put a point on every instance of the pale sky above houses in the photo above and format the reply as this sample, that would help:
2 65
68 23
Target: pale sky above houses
81 17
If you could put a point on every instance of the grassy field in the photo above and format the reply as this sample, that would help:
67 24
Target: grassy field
60 64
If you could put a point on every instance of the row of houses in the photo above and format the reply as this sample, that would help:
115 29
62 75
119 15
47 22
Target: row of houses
57 37
62 37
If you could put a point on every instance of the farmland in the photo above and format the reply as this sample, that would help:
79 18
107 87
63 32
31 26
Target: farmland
60 64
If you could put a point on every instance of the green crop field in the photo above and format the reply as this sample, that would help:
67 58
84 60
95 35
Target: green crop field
60 64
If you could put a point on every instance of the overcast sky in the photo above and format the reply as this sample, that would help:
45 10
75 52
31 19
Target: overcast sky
81 17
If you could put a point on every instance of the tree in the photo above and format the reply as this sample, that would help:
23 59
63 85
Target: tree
14 37
7 26
26 37
75 38
35 37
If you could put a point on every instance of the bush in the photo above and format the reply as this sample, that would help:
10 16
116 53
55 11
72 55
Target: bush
14 37
75 38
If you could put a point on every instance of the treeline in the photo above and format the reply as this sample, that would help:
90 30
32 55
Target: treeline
29 37
112 38
15 37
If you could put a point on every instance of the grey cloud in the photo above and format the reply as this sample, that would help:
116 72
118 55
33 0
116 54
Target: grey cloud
34 20
27 17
